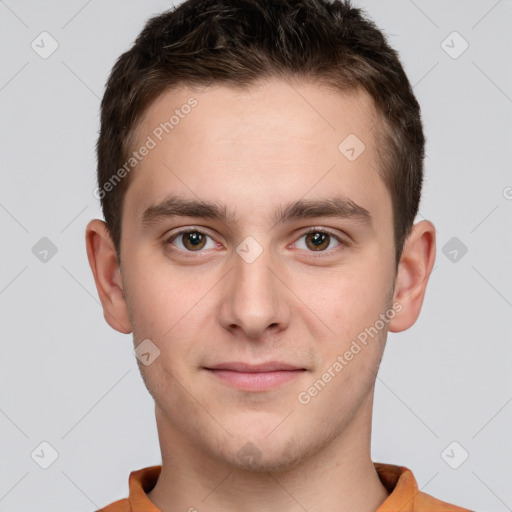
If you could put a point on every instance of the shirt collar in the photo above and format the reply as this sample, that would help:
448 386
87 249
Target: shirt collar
398 481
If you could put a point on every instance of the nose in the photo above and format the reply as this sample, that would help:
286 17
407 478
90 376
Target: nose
255 302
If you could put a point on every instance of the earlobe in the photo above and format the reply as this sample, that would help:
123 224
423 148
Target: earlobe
107 275
414 270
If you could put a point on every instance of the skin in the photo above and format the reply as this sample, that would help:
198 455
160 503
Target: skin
253 151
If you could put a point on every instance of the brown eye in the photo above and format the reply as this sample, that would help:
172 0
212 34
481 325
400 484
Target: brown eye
318 241
191 241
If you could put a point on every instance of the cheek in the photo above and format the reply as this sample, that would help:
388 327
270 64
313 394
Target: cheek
349 298
150 310
169 308
159 297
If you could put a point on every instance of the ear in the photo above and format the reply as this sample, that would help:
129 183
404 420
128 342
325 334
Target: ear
414 268
107 275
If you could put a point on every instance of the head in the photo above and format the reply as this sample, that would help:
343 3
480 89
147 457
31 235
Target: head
269 217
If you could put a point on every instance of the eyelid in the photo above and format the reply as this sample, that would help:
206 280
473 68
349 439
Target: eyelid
187 229
316 229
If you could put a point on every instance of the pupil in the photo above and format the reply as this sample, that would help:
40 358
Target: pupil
318 238
195 238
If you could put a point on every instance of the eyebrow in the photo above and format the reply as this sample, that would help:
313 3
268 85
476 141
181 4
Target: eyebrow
175 206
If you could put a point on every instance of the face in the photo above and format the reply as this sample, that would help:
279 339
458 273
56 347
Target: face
256 250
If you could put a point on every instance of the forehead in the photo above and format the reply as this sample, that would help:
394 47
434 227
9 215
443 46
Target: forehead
272 142
260 109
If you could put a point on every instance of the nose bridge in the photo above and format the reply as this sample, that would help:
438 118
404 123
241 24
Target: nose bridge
252 279
254 301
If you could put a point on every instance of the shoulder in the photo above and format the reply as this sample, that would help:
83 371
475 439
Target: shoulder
117 506
140 482
404 494
424 502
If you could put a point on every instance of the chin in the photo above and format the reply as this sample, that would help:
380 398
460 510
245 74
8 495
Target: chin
263 457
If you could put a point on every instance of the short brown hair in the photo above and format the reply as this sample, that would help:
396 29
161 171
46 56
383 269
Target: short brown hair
238 42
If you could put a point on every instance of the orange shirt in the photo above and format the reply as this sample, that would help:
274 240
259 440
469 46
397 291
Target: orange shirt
398 480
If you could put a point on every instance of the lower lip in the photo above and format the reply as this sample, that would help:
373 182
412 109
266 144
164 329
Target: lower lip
256 381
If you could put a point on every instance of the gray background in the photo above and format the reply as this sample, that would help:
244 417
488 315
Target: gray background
68 379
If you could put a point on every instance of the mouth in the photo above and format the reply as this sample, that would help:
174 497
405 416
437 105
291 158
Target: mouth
255 377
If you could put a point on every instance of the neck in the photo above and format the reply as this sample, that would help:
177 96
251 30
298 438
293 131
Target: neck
340 477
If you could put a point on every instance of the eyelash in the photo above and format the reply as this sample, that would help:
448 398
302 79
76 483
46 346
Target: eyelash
342 243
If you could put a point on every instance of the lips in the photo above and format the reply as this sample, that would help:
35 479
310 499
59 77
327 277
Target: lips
255 377
271 366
